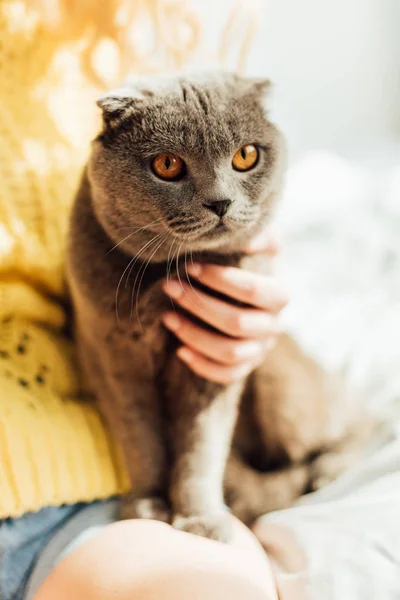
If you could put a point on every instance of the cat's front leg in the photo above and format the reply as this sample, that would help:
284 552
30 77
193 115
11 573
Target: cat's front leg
202 418
143 444
121 377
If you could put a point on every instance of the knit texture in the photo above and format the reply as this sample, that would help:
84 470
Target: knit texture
54 446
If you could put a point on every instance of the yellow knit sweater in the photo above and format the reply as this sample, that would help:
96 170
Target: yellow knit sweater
54 447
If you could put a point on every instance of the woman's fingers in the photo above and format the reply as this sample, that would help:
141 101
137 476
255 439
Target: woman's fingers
252 331
251 288
224 350
213 371
231 320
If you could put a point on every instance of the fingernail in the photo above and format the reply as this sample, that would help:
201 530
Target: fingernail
185 354
270 344
172 321
257 243
254 243
173 289
248 350
194 269
257 324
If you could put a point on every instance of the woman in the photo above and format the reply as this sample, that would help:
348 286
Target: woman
58 463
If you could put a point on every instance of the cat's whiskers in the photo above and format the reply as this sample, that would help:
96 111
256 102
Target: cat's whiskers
184 222
133 232
118 286
169 267
188 276
183 230
186 268
179 277
130 265
141 279
244 215
170 259
137 256
177 267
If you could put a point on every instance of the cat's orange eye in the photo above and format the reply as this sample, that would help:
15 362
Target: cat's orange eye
168 166
245 158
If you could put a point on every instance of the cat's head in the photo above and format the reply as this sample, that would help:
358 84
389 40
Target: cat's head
194 159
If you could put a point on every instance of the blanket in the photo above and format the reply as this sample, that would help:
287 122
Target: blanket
340 223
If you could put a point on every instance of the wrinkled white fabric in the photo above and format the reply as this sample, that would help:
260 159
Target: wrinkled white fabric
341 230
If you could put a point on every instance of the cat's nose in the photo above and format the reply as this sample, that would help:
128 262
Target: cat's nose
219 207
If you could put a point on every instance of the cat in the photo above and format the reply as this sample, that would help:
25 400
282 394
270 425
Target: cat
193 163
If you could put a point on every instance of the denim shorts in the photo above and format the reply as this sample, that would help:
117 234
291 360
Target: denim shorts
32 545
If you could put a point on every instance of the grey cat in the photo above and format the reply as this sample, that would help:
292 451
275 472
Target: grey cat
192 164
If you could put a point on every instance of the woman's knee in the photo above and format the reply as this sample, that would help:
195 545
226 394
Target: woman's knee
105 566
144 560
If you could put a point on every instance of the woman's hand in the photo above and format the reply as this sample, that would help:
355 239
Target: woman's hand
245 334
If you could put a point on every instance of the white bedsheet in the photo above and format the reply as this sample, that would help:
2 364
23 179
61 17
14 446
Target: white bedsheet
348 535
341 228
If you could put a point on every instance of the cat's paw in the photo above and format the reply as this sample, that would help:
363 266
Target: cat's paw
244 508
242 501
153 507
215 527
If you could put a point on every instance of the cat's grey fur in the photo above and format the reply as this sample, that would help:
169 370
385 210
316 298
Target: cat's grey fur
175 427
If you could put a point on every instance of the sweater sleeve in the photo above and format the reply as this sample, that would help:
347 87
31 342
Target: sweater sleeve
54 446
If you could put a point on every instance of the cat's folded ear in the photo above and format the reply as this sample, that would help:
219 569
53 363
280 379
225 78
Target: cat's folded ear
119 104
115 106
259 86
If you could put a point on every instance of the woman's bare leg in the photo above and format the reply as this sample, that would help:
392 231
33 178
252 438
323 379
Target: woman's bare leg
144 560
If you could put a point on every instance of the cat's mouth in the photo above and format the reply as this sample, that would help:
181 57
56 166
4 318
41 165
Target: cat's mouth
203 231
221 225
212 236
217 230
